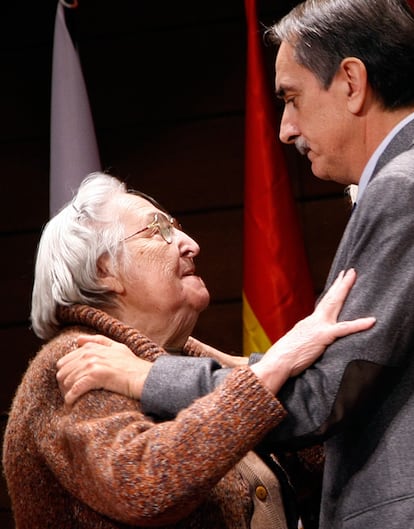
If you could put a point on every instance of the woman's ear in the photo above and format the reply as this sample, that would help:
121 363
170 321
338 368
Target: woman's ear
108 276
355 74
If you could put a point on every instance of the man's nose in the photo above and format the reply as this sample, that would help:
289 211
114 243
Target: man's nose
289 132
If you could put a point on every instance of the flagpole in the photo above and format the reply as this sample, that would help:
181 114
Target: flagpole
69 5
73 145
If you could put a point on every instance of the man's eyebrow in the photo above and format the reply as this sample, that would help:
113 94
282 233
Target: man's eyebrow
283 90
280 94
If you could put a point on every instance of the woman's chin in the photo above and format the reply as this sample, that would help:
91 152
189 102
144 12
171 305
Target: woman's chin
199 295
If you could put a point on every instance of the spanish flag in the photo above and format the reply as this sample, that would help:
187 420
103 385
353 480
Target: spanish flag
277 287
73 146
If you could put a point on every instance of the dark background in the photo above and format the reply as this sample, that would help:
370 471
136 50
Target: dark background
166 82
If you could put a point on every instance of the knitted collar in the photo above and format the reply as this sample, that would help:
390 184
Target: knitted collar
102 323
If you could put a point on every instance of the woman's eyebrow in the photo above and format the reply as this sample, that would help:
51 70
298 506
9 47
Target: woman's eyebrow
145 219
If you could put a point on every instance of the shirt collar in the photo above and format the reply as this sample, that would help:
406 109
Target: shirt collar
369 168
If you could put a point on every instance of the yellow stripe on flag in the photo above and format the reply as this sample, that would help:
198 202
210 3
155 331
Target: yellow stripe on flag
254 337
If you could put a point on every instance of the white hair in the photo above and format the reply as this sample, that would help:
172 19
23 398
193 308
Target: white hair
69 249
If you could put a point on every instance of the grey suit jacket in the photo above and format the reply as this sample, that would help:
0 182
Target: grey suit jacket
359 397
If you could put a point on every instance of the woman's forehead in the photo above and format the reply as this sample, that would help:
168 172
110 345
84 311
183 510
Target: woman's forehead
138 202
134 207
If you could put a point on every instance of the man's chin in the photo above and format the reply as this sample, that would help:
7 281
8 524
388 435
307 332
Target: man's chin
320 173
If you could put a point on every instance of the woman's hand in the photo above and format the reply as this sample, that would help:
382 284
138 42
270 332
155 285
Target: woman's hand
196 348
308 339
100 362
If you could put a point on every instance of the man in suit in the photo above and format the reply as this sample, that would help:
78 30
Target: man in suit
344 72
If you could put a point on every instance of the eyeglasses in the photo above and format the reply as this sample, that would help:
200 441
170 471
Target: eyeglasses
163 224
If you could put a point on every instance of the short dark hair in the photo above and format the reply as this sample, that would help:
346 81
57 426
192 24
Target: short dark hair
378 32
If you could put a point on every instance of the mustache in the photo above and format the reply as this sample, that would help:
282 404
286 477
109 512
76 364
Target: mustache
302 145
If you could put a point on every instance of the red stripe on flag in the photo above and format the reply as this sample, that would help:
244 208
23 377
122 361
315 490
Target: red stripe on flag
277 281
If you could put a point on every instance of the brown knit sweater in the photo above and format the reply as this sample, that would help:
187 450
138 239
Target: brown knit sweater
102 464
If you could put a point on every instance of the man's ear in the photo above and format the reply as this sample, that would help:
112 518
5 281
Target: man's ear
107 275
355 75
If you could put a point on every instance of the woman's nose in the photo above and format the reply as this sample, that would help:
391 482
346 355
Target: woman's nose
187 245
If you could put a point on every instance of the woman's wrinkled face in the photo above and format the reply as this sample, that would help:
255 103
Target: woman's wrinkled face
159 285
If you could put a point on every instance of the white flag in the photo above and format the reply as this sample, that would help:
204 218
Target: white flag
73 147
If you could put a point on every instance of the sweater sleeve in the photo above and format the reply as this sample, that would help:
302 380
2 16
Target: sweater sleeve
123 465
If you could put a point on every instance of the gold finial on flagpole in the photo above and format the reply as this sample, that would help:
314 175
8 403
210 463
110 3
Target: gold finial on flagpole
70 5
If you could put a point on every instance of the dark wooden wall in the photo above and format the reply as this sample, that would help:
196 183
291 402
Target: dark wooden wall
166 84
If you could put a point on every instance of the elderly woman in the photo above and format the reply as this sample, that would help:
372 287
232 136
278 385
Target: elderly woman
114 263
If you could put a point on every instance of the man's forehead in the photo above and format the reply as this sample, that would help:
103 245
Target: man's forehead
284 67
290 76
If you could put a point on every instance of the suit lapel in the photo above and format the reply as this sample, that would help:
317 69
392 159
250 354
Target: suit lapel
403 141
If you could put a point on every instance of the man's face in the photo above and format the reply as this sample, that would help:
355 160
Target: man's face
315 119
